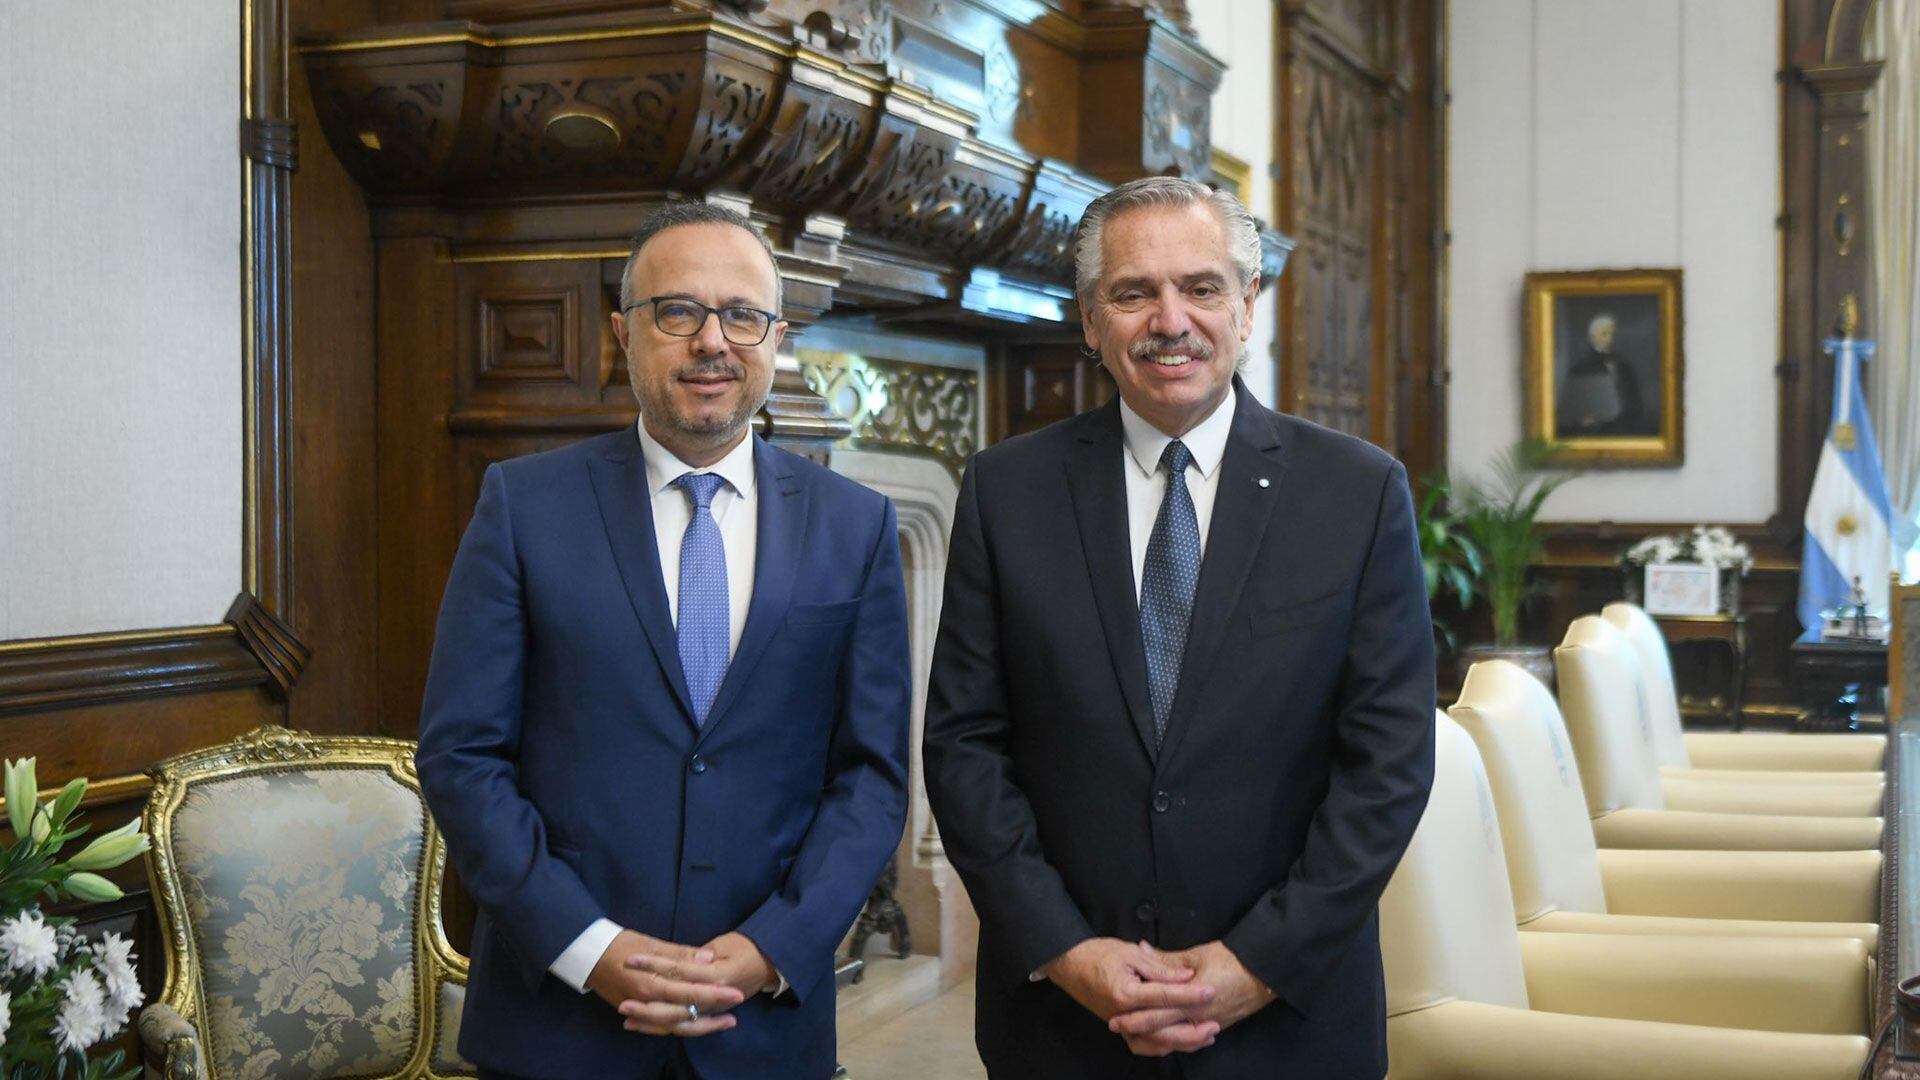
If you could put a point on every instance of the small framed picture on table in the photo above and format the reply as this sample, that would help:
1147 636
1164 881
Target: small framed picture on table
1682 589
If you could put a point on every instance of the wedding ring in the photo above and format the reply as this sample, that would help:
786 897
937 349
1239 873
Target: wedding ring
693 1013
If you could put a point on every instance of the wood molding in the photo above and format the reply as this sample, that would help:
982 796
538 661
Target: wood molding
58 673
270 152
253 647
271 642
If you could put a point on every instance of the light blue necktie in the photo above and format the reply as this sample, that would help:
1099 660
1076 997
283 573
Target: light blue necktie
1167 583
702 625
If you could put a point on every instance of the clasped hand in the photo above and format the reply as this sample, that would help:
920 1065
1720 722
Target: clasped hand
1160 1003
651 982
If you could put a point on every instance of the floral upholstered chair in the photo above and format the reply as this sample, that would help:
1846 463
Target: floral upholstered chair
297 881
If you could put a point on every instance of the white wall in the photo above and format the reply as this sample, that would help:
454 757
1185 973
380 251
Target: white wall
1630 133
1240 33
120 332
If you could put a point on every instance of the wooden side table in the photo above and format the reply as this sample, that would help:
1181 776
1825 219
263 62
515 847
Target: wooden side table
1833 677
1725 631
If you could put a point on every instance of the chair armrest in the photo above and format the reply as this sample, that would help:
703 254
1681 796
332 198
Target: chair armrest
1802 886
1773 776
1734 797
1770 750
1692 829
172 1045
1589 922
1816 986
1465 1040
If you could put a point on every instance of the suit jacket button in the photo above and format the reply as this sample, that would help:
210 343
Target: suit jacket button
696 766
1146 912
1161 800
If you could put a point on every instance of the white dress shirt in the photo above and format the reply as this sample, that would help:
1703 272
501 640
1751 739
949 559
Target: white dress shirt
1147 486
735 509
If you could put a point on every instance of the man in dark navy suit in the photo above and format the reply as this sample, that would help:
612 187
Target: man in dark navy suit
1180 724
665 727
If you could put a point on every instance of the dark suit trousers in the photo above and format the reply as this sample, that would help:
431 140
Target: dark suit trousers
677 1069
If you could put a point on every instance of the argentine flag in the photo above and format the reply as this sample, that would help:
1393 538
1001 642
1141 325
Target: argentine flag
1848 514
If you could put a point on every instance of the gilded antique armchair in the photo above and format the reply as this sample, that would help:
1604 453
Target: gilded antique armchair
297 882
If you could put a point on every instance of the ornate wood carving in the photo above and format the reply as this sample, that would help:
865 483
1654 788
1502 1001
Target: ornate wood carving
897 405
784 118
1355 144
1173 94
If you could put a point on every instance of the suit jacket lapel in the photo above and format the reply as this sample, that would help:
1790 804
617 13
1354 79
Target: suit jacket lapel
779 535
626 509
1241 508
1098 487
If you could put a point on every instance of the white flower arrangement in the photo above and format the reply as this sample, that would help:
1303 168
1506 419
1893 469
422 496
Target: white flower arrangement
1709 545
60 994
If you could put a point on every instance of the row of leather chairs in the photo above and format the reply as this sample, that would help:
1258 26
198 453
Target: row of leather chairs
1595 893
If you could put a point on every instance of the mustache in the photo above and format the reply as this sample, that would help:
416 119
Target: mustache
711 368
1159 345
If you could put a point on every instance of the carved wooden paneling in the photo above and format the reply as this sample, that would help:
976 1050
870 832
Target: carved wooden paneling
1033 385
530 334
1335 220
526 335
1356 142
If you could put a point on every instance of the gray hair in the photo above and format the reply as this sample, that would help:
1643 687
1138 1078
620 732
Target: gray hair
1243 236
692 212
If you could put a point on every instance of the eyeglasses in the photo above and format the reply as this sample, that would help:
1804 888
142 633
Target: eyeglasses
682 317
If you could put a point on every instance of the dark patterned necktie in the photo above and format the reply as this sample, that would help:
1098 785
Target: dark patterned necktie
703 611
1167 584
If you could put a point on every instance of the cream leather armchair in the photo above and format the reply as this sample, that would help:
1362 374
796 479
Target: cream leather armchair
1747 755
1613 738
1469 996
1562 882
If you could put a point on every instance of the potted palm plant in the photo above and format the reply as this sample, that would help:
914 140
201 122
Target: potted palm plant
1500 516
1449 557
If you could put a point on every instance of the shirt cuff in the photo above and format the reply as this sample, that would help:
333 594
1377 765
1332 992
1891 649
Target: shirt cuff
577 961
776 988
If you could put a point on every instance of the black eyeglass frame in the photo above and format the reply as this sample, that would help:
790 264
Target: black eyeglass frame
771 317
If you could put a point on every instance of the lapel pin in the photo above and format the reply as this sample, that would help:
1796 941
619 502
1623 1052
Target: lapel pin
1264 482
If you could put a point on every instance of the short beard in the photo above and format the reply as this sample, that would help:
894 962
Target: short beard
659 414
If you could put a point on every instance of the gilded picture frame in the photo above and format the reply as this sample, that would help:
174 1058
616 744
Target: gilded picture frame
1605 365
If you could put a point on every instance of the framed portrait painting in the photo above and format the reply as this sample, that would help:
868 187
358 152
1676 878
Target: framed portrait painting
1604 366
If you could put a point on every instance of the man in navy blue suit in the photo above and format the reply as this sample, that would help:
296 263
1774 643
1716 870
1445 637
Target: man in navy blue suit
665 727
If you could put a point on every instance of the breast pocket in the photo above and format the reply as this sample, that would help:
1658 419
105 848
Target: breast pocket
834 614
1283 617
